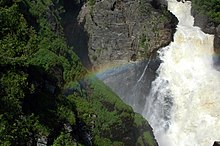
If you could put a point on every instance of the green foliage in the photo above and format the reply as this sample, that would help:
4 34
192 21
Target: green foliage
102 111
210 8
17 132
28 55
38 8
140 141
91 2
37 69
138 120
64 139
14 84
67 114
100 141
17 41
45 58
143 41
148 138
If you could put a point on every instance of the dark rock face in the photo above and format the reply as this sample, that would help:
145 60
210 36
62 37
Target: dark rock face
216 143
75 34
120 28
217 39
204 23
208 26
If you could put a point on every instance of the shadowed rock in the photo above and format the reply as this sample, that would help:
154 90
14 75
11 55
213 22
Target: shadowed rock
216 143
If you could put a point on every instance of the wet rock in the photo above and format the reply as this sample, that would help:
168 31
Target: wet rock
67 127
42 141
217 40
209 27
200 20
203 22
216 143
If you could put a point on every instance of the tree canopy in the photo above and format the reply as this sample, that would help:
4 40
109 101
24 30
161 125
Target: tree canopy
45 96
210 8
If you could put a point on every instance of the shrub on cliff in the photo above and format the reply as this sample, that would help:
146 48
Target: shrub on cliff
210 8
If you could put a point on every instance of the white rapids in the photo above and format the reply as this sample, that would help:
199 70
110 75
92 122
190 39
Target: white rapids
184 104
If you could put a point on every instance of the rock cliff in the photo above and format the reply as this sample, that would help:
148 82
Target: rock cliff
124 30
117 32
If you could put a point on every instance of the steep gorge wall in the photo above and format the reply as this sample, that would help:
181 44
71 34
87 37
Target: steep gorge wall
116 33
124 30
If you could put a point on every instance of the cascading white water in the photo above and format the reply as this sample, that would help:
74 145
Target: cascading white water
184 104
145 69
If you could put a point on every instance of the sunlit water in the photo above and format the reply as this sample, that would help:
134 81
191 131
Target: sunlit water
184 104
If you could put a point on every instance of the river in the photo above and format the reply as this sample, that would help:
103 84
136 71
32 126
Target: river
183 106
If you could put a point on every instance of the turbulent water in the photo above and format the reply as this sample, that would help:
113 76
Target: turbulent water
184 104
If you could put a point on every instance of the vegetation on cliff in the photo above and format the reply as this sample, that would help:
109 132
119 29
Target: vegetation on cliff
210 8
45 97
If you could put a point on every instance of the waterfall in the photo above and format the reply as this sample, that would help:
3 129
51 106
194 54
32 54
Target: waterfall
183 106
142 75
